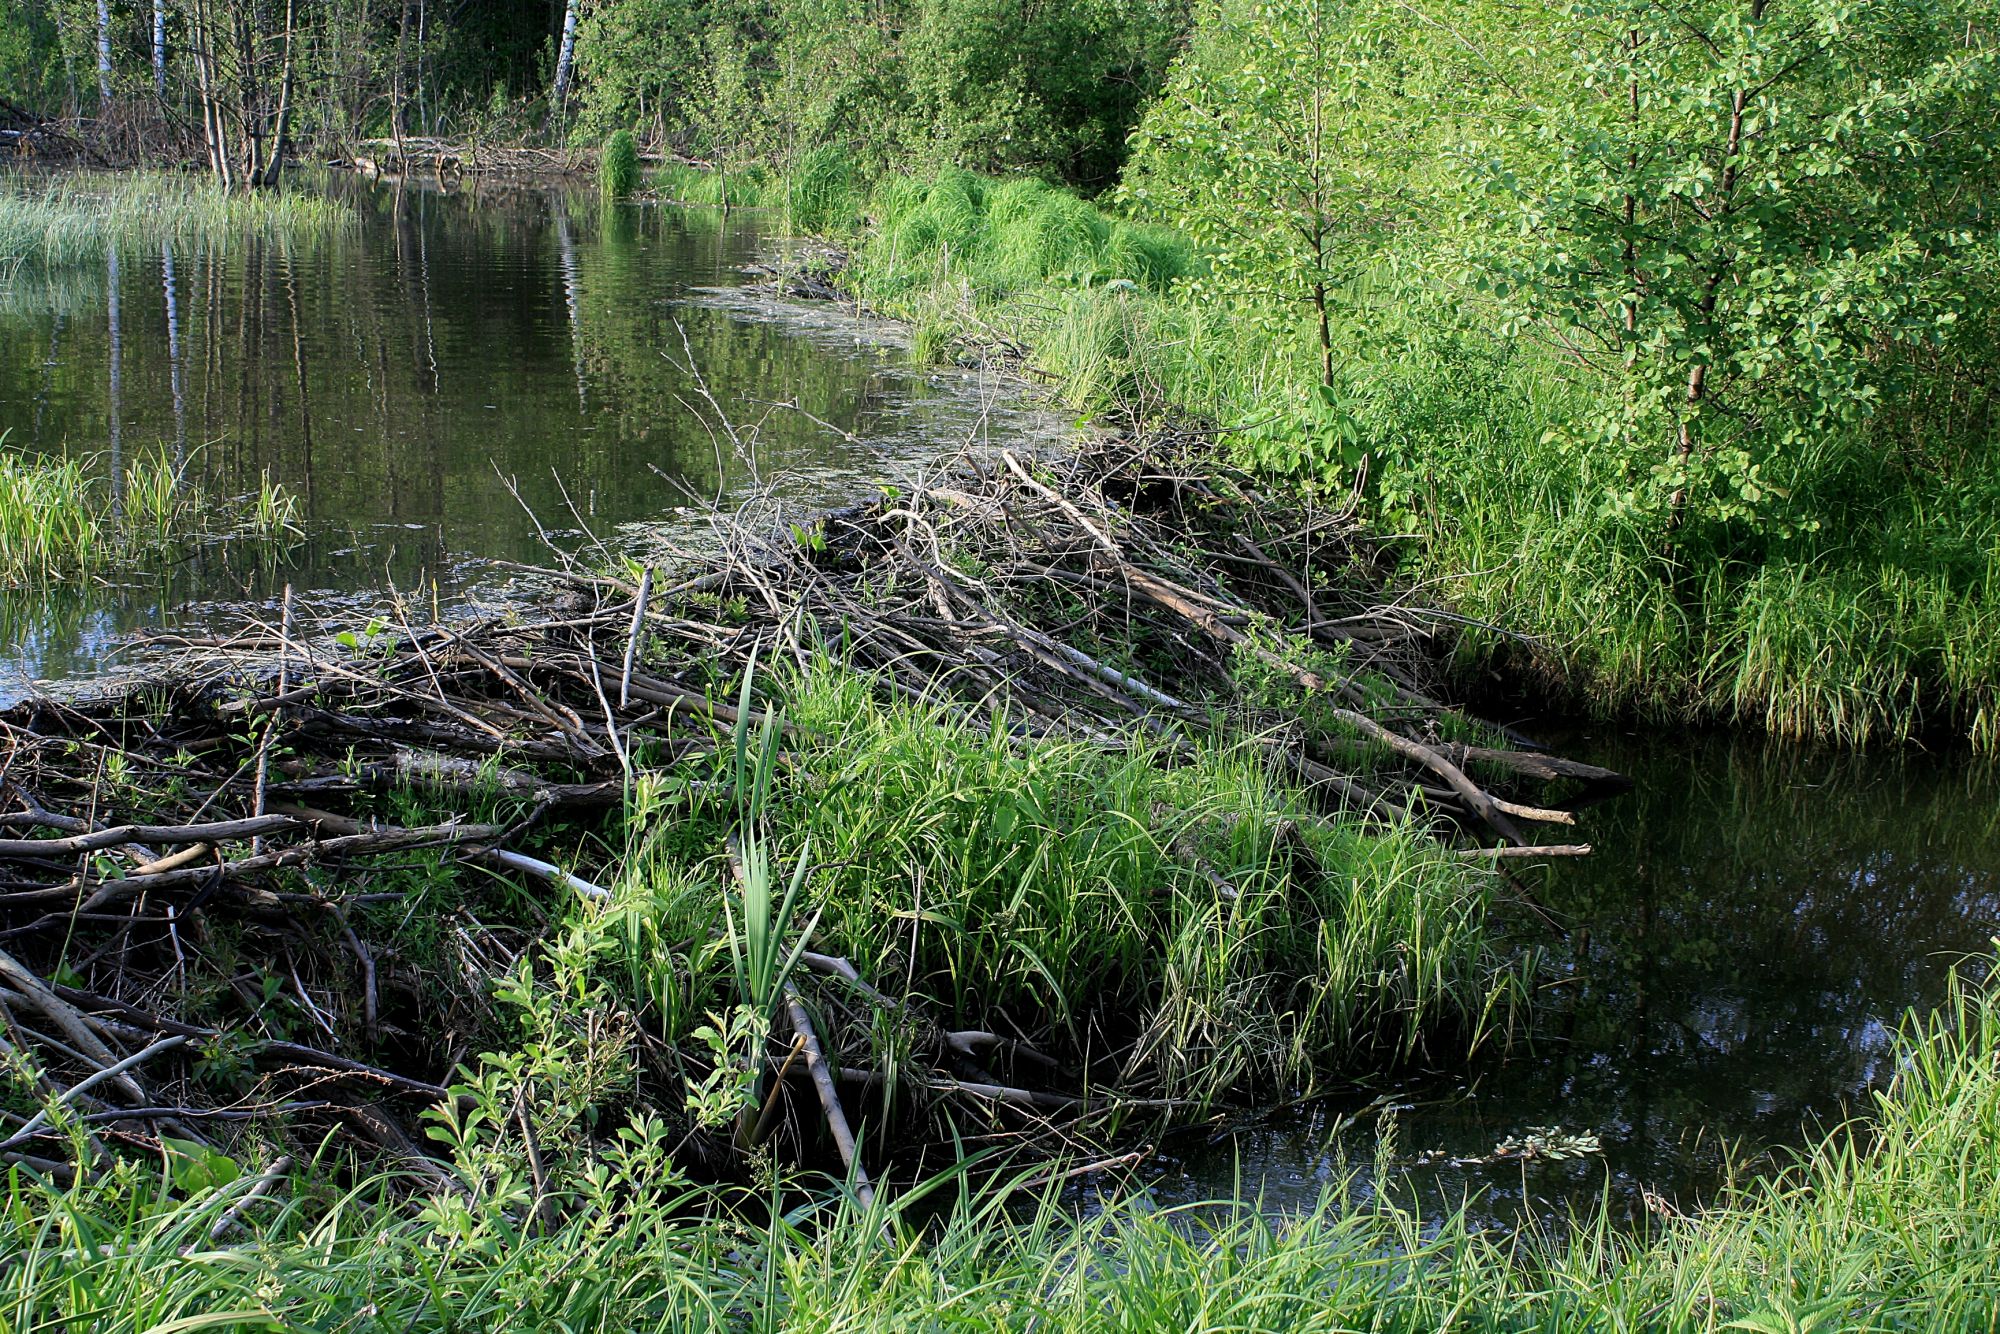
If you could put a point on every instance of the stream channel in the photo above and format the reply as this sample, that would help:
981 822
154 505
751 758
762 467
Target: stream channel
1726 973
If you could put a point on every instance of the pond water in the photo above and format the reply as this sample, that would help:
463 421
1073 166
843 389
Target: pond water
398 378
1728 974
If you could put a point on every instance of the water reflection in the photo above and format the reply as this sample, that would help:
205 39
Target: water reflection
1727 979
404 380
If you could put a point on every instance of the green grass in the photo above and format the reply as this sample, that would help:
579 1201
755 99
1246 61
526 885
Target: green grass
618 166
1890 1228
62 518
1191 906
750 187
53 221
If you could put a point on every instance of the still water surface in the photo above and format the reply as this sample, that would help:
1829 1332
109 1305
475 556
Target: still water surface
1729 967
1729 971
397 379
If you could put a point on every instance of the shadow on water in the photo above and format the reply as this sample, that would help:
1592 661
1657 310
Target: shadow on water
394 378
1726 981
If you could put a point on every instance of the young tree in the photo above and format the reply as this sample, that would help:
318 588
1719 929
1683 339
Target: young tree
1279 147
725 104
243 53
1742 214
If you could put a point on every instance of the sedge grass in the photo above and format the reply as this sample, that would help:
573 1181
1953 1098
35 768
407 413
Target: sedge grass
57 221
62 518
1205 909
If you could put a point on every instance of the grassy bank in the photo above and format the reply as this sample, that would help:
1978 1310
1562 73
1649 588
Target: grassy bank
1891 1230
1864 611
50 221
65 519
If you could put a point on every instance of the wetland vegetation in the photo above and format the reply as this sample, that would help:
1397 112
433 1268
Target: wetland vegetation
765 915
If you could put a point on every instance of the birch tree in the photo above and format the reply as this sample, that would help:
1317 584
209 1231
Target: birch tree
103 55
565 60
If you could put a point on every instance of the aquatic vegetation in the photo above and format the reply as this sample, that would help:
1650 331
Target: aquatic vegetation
54 221
62 518
618 166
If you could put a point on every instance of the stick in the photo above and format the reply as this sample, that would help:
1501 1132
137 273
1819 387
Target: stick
68 1095
534 866
65 1017
829 1096
293 1051
101 839
638 631
268 1179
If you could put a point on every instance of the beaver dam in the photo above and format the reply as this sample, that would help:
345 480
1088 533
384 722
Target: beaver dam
1022 804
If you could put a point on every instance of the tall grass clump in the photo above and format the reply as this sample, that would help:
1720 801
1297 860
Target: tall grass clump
1002 238
1202 906
1892 1226
70 218
821 195
62 518
618 166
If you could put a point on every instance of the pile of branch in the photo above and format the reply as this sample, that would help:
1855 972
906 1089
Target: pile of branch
184 866
23 134
413 155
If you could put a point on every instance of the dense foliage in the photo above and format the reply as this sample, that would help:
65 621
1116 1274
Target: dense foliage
1048 88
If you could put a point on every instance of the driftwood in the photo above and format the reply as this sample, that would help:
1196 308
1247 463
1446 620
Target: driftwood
252 783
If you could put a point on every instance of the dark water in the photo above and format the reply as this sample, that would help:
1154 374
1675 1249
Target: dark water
1729 971
391 379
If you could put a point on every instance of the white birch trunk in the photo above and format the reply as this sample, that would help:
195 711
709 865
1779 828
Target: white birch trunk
565 59
160 49
103 55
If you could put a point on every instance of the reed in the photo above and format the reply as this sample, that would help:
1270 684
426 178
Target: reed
63 518
53 222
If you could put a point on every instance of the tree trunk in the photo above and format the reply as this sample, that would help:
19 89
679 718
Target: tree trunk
160 50
208 85
398 118
275 163
103 56
565 59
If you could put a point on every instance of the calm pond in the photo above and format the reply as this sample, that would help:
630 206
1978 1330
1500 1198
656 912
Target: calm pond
1728 972
1729 968
397 379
